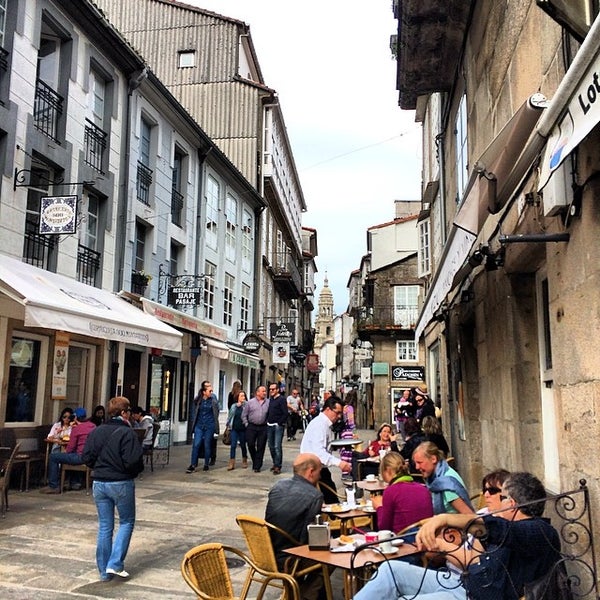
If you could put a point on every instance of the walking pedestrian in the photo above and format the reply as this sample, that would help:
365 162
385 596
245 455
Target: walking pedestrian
277 415
206 424
238 431
254 417
295 407
114 454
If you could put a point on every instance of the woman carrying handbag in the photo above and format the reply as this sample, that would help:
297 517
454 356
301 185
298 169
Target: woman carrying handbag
238 431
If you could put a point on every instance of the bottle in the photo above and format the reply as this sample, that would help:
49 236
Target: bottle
351 495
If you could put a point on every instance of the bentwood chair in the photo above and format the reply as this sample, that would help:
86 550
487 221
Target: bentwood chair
205 570
257 533
5 470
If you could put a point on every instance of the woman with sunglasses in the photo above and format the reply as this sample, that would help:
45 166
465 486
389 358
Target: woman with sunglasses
491 486
61 430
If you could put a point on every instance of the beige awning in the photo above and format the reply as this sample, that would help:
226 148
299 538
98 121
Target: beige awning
58 302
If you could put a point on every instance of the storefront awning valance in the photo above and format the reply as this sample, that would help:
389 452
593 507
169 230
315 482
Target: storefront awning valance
217 349
237 357
57 302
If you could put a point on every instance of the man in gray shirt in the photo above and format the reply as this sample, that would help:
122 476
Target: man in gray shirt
254 417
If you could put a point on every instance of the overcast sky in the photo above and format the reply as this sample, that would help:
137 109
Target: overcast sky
355 150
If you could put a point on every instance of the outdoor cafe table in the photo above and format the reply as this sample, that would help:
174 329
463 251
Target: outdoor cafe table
347 516
337 444
343 560
374 487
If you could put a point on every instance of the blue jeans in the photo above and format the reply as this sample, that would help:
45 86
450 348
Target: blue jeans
56 458
275 440
202 436
238 436
109 495
397 579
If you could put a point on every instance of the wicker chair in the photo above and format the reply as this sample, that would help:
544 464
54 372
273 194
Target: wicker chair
6 468
257 533
205 570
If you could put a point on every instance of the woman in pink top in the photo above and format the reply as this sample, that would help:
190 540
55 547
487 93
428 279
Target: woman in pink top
404 501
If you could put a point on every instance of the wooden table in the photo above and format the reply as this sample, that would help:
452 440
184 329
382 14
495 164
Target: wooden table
345 516
374 487
344 561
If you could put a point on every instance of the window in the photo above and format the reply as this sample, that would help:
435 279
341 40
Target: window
462 158
140 247
176 189
245 307
231 226
37 247
144 172
247 241
424 248
576 16
2 21
88 253
228 300
406 351
174 262
406 311
97 95
23 379
95 136
210 271
187 58
213 193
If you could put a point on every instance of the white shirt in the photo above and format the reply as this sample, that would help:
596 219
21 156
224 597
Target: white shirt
317 438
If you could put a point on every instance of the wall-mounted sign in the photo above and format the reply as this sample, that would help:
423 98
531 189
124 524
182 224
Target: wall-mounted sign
181 296
312 363
380 368
282 332
61 358
281 353
408 373
251 342
58 214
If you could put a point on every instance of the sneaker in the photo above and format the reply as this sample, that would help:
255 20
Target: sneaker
205 468
276 470
122 573
50 490
190 469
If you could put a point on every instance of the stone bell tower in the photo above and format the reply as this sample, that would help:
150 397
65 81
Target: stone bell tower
324 320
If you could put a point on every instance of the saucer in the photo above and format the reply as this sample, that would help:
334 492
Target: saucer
392 551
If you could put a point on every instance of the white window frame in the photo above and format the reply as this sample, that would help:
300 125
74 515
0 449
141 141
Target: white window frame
407 351
186 59
213 193
89 233
462 149
406 305
424 256
2 22
231 221
228 286
247 241
245 307
210 272
97 99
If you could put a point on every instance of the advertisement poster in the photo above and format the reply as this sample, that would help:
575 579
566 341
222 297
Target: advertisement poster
281 353
59 369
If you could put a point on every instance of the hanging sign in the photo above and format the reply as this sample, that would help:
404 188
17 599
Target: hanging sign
281 353
282 332
58 214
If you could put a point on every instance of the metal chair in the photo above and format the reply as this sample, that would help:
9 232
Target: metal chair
5 469
257 533
149 451
204 569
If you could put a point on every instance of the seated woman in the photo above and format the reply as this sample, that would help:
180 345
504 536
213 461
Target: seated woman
61 430
491 486
433 433
404 501
385 440
413 436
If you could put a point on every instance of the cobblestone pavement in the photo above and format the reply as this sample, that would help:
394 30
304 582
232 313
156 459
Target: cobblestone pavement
47 542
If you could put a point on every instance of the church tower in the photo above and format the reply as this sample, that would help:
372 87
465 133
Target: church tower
324 320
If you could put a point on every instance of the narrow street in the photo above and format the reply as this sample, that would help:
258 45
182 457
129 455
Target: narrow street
47 543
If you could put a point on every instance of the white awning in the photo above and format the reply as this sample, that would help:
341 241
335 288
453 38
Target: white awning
217 349
57 302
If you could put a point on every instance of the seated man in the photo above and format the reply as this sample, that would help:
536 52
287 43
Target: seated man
142 420
72 454
512 548
292 505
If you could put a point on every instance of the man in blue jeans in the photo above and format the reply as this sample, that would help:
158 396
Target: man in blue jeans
115 454
277 415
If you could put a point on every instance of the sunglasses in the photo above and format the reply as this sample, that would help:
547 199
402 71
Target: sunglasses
492 490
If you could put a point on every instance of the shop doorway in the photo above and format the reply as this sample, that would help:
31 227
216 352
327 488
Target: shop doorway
131 376
162 386
80 375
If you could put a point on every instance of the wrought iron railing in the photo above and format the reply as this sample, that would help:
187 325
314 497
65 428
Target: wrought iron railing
94 144
569 514
37 247
387 317
176 207
3 59
47 108
284 265
144 181
88 265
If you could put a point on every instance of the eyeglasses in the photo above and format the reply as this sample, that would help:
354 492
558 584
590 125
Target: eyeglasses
503 497
492 490
272 389
339 413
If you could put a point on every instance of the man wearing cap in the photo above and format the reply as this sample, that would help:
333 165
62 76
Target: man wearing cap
81 428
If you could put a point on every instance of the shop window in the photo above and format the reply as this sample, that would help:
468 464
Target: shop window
23 380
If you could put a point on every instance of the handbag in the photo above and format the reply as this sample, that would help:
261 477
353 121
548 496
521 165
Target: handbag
227 436
552 586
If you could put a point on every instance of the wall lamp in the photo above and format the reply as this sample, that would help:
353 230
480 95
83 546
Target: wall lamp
533 238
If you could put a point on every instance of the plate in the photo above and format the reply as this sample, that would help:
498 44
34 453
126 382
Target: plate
336 509
368 509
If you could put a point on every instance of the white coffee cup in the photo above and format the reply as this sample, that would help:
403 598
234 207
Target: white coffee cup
384 536
370 477
382 453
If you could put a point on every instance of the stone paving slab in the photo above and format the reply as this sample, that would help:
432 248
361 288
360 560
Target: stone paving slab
48 542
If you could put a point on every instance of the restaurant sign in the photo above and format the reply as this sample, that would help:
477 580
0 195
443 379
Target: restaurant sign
408 373
58 214
251 342
181 296
282 332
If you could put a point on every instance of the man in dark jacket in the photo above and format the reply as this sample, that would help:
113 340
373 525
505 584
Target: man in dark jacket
114 454
277 415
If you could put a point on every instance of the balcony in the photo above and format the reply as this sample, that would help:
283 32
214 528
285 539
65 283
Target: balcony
176 207
37 247
144 181
3 67
47 108
385 320
94 144
88 265
286 275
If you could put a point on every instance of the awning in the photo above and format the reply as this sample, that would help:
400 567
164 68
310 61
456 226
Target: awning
217 349
57 302
495 177
575 108
244 359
